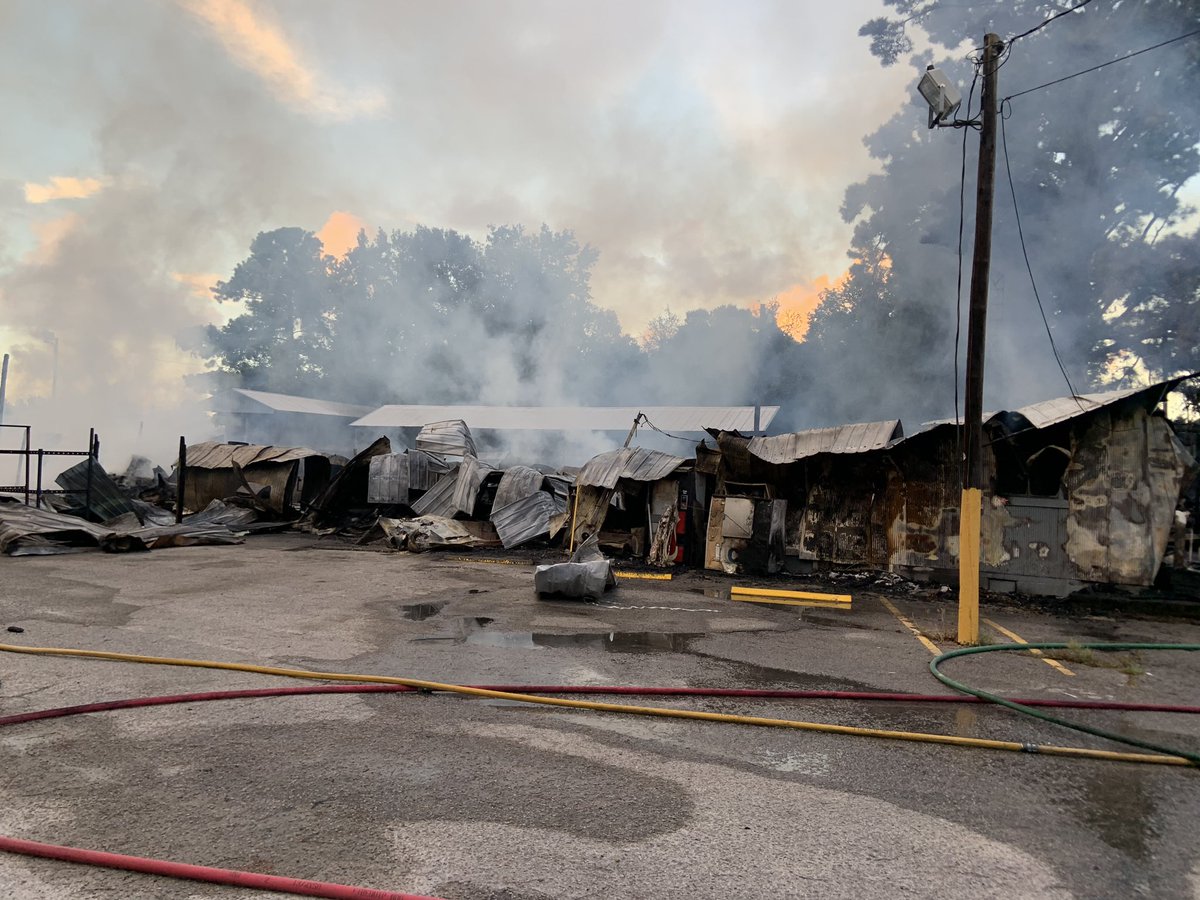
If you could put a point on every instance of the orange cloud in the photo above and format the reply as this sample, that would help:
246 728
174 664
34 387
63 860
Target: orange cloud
339 234
797 303
199 283
62 188
50 234
261 47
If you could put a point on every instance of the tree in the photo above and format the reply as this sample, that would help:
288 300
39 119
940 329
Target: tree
1097 165
283 339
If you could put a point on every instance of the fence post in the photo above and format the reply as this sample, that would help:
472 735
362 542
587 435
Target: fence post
41 453
87 494
180 480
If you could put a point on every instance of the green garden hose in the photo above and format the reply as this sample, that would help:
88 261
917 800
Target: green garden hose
1046 717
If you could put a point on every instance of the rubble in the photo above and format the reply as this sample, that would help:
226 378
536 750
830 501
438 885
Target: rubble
25 531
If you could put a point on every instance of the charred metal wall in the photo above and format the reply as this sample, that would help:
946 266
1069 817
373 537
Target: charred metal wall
898 509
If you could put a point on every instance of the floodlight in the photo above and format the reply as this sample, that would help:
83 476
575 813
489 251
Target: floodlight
941 95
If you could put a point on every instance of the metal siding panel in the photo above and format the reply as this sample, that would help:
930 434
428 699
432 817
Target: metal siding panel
106 498
516 484
439 499
388 480
451 437
524 520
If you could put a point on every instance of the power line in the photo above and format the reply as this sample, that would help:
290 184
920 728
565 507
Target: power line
1029 268
1100 66
1046 22
641 418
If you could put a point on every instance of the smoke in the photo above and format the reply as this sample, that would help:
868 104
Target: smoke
703 149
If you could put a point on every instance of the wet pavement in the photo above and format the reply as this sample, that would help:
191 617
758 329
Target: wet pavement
469 798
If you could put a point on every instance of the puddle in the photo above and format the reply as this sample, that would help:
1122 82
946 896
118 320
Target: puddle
1120 807
616 641
419 612
474 631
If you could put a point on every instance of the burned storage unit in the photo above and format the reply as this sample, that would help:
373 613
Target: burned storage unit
281 478
1079 490
625 497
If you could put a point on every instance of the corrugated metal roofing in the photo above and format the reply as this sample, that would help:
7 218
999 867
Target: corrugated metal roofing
1061 409
517 483
470 479
450 437
634 463
1051 412
233 401
573 418
214 455
524 520
786 448
388 479
439 499
106 498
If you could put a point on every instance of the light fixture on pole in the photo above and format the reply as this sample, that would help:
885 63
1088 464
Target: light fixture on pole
940 93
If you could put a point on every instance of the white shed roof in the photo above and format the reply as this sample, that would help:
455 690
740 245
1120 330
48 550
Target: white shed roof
572 418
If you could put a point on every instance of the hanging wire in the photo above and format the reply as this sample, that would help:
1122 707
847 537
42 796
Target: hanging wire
1111 62
1025 252
642 420
1045 22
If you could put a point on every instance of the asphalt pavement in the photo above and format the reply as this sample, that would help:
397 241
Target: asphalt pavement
462 797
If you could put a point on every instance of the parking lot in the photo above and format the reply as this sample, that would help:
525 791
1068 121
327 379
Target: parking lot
477 797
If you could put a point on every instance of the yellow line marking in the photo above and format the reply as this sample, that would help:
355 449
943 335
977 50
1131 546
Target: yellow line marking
929 645
646 576
793 595
820 604
1016 638
499 562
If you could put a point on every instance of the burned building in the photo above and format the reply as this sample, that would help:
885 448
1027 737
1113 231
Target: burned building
1080 490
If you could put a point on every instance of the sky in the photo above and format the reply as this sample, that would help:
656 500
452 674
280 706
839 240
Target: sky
702 147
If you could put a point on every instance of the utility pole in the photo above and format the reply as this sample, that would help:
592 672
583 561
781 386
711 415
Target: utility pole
972 495
3 386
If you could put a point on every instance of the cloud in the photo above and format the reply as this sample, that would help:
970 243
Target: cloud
62 187
261 47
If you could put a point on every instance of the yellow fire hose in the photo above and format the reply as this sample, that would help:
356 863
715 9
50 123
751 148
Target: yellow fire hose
660 711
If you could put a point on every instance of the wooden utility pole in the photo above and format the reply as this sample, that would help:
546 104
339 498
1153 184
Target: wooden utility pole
972 494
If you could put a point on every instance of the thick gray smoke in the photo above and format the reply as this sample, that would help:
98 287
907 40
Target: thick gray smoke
702 149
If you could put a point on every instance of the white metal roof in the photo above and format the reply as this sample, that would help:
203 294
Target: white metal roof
572 418
285 403
785 448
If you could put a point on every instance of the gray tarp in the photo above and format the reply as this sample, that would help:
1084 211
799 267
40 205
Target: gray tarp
585 577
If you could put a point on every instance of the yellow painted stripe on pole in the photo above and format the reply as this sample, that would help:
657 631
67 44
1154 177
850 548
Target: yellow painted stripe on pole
646 576
916 632
788 595
1016 638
